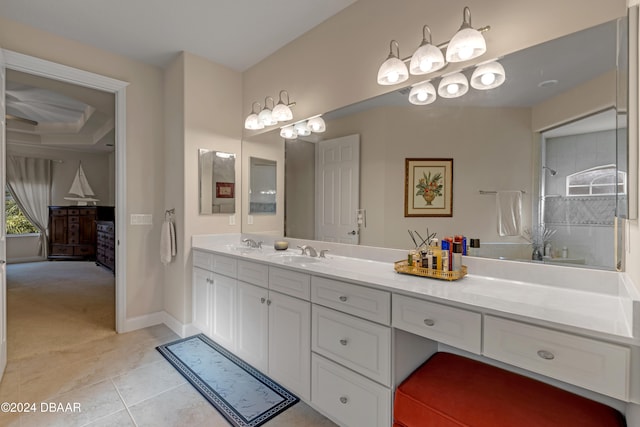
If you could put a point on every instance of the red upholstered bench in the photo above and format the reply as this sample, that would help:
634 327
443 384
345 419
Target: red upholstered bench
450 390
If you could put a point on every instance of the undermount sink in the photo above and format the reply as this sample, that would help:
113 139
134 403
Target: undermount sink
292 258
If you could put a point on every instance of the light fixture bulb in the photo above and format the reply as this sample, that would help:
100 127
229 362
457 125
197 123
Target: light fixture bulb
393 70
422 94
302 129
282 112
468 43
488 75
316 124
253 122
288 132
453 85
266 115
427 58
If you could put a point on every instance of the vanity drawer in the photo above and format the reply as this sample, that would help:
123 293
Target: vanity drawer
348 398
371 304
588 363
289 282
218 263
355 343
203 260
254 273
456 327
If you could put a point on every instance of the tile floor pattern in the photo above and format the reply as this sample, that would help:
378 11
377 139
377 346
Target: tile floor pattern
118 380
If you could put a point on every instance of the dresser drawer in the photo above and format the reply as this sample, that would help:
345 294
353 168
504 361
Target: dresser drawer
254 273
348 398
448 325
355 343
290 282
360 301
585 362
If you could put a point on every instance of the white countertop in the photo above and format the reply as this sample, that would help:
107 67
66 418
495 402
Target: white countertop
605 315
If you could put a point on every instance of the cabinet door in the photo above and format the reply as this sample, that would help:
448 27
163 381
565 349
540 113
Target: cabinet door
201 281
58 229
290 343
87 230
223 302
252 325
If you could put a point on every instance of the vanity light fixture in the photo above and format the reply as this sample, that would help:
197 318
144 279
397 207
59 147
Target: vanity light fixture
266 115
252 121
427 58
282 112
288 132
302 129
393 70
422 94
316 124
468 43
488 75
453 85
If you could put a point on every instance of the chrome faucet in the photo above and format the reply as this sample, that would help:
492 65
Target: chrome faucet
252 243
307 249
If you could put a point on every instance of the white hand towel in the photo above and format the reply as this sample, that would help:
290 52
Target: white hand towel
165 243
172 236
509 206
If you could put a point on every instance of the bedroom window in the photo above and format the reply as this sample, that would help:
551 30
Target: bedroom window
599 181
16 222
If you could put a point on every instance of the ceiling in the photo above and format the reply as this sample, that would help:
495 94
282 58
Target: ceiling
234 33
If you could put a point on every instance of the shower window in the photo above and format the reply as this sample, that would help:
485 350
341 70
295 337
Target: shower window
599 181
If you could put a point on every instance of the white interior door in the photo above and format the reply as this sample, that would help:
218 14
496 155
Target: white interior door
3 231
338 189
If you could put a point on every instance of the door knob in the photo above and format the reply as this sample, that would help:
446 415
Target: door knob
353 232
2 261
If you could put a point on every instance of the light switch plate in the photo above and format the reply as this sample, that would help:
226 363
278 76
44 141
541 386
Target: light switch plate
141 219
232 220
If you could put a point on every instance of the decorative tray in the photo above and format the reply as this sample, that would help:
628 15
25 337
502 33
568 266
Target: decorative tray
403 267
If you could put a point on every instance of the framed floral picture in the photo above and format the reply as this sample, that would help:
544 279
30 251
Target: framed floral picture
428 187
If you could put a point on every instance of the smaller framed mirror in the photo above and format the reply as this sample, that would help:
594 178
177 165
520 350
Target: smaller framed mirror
262 190
217 182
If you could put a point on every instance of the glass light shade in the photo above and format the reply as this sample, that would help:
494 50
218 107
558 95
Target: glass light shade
266 117
453 86
392 71
317 124
281 112
253 122
302 129
288 132
488 76
466 44
426 59
422 94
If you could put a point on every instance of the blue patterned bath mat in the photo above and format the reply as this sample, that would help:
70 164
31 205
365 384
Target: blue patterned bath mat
243 395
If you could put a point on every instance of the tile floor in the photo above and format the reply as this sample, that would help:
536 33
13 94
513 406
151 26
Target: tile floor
117 380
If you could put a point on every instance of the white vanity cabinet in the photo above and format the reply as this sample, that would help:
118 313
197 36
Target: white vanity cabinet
351 352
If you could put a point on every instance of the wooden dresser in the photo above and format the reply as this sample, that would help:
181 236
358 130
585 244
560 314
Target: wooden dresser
106 244
72 231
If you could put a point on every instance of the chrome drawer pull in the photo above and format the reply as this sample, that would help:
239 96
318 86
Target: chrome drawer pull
343 341
262 300
343 400
429 322
546 355
268 302
343 298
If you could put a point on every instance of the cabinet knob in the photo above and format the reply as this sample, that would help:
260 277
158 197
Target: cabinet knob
429 322
343 298
268 302
343 400
262 300
546 355
343 341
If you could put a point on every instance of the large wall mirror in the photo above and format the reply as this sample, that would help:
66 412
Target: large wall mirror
217 182
262 186
557 123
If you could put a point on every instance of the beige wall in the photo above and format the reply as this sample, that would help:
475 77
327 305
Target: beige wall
145 154
202 110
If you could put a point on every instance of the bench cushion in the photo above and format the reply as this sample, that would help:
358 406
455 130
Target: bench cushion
451 390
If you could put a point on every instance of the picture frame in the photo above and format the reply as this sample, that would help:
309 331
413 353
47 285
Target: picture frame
428 187
225 190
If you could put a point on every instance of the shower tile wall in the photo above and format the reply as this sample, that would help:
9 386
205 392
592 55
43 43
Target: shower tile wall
579 228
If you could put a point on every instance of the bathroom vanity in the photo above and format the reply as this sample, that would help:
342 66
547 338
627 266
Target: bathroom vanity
344 331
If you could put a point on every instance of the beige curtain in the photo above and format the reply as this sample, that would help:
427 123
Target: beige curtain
29 181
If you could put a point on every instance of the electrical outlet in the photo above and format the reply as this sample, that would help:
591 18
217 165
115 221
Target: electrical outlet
250 219
232 220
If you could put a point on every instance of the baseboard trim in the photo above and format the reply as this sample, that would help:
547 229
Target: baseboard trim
159 318
25 259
